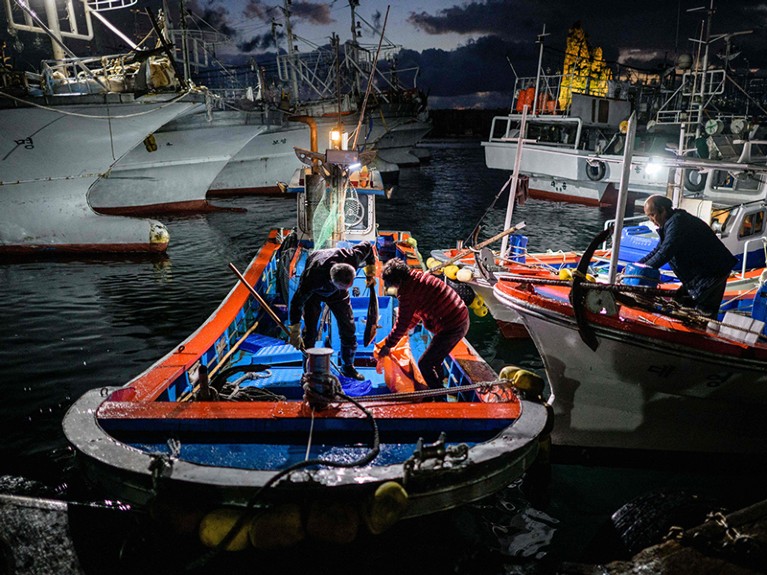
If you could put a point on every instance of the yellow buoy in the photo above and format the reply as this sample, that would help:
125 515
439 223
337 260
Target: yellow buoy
477 302
411 241
332 522
566 274
451 271
277 527
481 311
526 381
217 524
464 275
388 504
508 372
431 262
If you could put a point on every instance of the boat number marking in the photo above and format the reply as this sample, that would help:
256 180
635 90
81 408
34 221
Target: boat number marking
559 186
280 141
27 142
717 379
661 370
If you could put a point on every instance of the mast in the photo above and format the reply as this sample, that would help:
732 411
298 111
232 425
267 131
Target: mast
184 43
540 39
291 52
52 15
355 46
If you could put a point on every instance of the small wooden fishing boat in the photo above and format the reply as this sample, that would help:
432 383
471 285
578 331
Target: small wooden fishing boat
628 369
741 228
222 422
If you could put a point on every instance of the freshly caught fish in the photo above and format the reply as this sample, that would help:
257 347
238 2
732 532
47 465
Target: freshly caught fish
371 323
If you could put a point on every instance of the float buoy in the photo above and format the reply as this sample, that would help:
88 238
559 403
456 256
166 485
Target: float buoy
217 524
432 262
332 522
464 275
451 271
477 302
386 507
527 382
481 311
277 527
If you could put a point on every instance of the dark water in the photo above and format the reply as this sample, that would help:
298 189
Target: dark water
66 327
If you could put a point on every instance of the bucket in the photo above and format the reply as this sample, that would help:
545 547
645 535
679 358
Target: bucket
517 248
640 275
759 310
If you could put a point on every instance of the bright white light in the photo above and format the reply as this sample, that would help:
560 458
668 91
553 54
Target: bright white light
652 168
355 166
335 136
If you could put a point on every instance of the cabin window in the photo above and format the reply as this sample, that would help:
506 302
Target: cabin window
752 224
604 111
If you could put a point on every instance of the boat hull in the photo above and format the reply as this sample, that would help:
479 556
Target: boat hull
51 158
173 174
646 391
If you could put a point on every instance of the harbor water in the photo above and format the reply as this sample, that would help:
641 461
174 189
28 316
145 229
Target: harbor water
70 326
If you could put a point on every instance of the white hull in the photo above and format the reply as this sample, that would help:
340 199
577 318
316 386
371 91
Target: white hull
638 392
400 137
49 158
561 173
175 174
265 160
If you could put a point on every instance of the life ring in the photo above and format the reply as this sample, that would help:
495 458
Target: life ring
595 171
692 183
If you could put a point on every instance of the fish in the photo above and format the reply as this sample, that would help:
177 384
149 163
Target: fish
371 323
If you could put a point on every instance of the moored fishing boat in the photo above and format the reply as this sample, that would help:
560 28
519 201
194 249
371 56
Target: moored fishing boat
643 374
221 421
575 134
63 128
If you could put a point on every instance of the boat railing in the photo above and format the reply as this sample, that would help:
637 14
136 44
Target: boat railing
762 240
506 129
101 74
694 85
554 92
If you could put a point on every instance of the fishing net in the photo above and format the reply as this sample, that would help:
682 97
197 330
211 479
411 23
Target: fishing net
324 221
327 216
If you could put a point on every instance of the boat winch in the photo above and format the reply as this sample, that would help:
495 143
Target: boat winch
320 386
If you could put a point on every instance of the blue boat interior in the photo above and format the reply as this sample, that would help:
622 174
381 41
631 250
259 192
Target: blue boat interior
263 366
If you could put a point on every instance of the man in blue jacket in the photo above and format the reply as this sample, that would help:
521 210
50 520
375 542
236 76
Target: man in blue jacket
327 277
697 256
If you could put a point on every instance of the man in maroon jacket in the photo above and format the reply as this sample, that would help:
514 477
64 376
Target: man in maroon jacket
423 297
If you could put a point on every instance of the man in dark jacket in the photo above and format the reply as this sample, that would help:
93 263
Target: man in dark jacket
327 277
698 257
423 297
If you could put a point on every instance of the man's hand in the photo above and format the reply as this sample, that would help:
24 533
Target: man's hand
370 275
295 336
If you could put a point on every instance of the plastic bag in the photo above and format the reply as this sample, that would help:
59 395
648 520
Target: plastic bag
400 368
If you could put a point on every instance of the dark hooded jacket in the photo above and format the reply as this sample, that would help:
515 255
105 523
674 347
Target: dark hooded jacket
315 278
697 256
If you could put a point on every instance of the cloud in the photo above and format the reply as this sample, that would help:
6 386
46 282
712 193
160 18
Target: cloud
256 10
616 27
258 43
480 65
312 13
